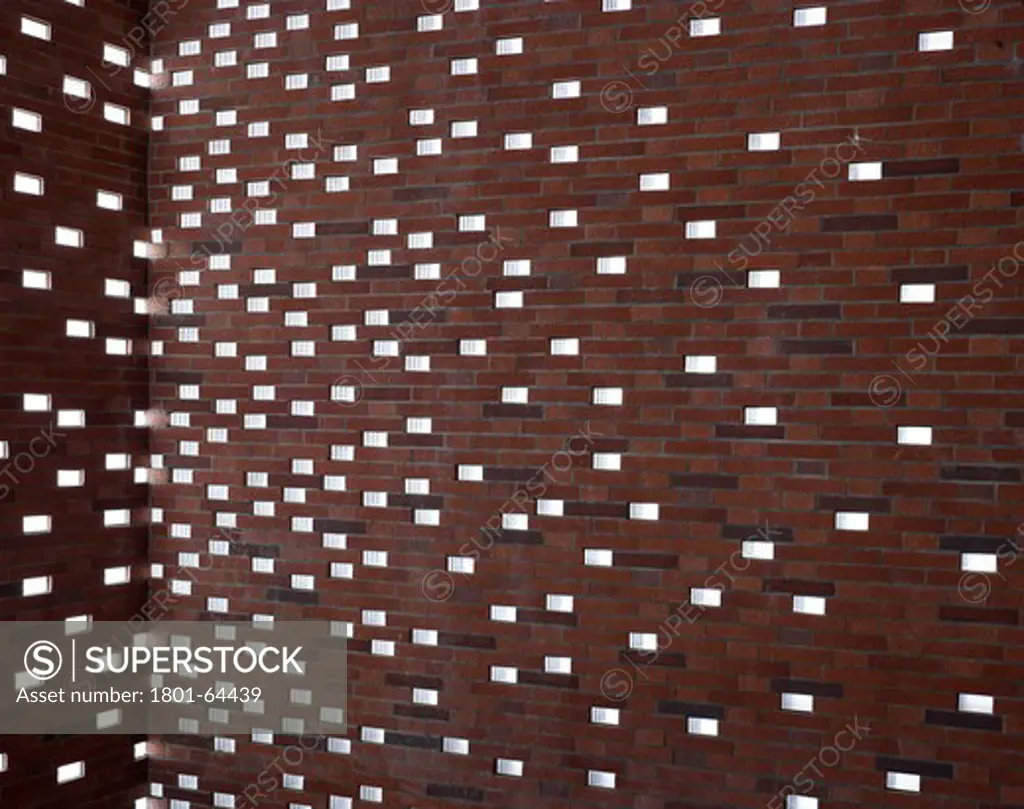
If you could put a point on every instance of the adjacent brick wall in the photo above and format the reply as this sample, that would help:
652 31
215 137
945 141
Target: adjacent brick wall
45 290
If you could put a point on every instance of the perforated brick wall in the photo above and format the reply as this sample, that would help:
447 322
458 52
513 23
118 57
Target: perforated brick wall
73 457
637 383
551 347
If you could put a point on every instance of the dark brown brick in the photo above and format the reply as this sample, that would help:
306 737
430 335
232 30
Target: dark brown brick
837 502
969 721
820 589
929 275
862 222
993 325
929 769
816 347
992 474
920 168
810 311
513 411
657 561
705 481
979 615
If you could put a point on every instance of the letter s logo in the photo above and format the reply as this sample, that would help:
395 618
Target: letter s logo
43 660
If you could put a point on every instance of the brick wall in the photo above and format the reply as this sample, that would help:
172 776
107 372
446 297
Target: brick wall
688 498
658 436
72 202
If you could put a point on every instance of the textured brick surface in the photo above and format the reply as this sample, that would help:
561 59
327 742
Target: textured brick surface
761 416
76 153
770 369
